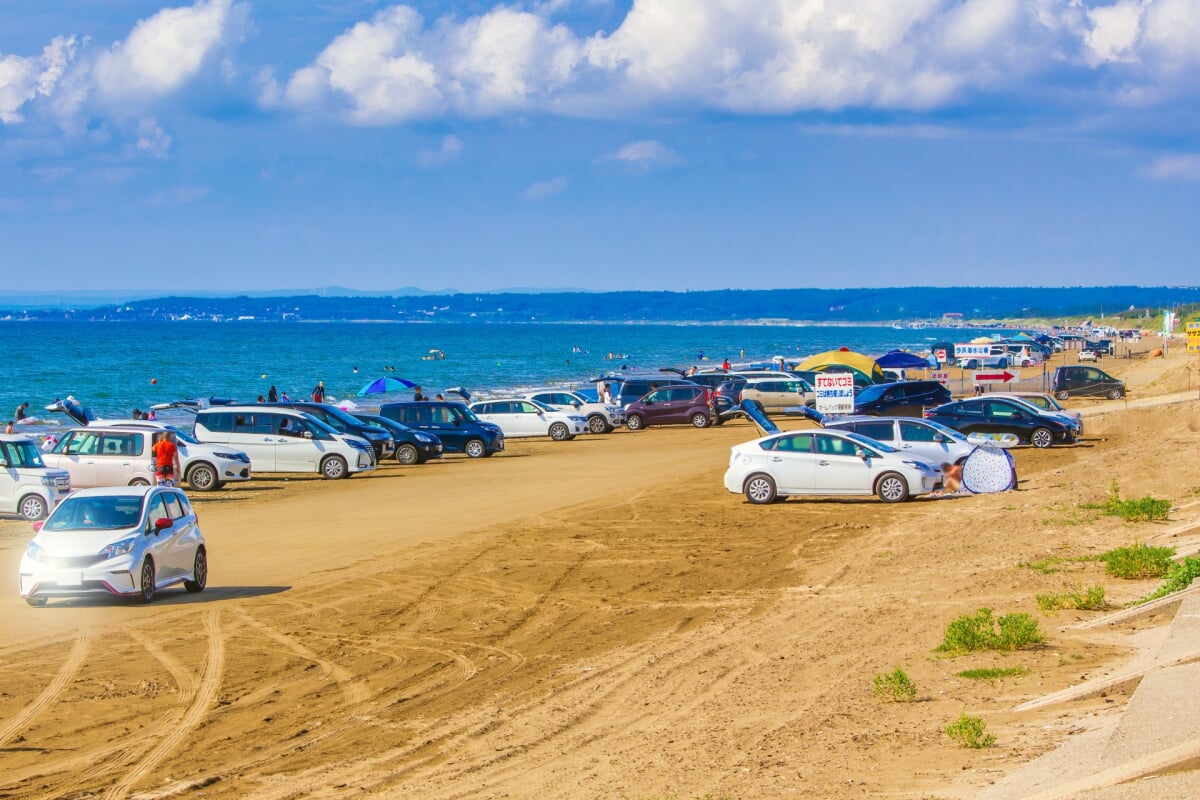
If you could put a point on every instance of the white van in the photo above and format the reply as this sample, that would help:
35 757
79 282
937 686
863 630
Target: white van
285 440
27 486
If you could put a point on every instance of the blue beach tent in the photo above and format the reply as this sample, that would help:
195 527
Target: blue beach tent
898 359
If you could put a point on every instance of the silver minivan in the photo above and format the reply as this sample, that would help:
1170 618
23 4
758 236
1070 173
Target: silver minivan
285 440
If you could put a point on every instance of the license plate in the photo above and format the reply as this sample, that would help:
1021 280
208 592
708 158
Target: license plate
70 579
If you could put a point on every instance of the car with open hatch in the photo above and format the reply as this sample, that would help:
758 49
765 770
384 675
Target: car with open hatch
124 541
826 462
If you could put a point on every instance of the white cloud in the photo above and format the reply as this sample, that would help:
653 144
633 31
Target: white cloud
152 140
543 189
1184 167
24 79
645 154
450 149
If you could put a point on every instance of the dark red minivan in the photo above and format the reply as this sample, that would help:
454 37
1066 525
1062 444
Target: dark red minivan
672 405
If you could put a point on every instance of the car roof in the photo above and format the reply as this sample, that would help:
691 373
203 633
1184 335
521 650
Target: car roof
865 418
116 491
17 437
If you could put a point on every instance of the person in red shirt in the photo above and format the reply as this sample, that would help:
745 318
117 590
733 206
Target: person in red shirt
166 459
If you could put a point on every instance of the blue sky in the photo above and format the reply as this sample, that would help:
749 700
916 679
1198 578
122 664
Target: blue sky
595 144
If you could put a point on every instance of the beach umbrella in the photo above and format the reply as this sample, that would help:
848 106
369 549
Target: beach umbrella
864 367
898 359
382 385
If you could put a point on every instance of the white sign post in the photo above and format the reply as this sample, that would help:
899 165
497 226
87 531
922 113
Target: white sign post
835 393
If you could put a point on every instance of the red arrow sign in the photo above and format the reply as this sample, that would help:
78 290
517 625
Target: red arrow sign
985 377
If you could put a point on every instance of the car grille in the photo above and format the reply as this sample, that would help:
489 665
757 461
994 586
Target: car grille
63 484
73 562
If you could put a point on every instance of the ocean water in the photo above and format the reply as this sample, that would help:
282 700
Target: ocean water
113 368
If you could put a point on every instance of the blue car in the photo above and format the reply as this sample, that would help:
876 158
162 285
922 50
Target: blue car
455 424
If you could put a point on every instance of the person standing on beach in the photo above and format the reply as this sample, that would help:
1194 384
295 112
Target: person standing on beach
19 414
166 459
318 392
272 395
725 365
418 395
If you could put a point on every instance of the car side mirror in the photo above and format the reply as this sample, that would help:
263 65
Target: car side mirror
161 524
937 437
307 434
861 453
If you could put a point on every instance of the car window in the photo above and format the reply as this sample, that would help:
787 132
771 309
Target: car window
968 409
1001 410
174 510
184 505
793 387
892 394
916 432
1094 375
660 396
121 444
1038 400
442 415
798 443
880 431
158 509
835 446
81 443
254 423
527 408
487 408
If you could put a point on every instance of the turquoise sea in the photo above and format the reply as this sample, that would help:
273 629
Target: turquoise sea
116 367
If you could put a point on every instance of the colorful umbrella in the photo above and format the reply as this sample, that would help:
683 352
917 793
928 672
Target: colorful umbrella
382 385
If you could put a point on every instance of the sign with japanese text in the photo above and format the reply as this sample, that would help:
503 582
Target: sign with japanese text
835 393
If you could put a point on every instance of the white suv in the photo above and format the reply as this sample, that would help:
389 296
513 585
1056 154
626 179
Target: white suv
119 454
517 416
27 487
601 417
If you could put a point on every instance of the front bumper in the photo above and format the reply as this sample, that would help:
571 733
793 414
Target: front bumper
74 577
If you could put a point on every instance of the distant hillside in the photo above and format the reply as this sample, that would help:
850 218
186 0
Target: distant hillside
729 305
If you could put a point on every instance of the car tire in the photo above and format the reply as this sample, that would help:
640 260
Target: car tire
139 482
891 488
635 423
32 507
36 602
474 448
202 477
559 432
1114 394
407 454
199 573
1041 438
1062 394
334 468
598 424
147 577
760 489
700 420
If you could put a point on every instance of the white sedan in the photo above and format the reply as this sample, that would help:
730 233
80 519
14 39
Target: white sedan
826 462
517 417
601 417
127 541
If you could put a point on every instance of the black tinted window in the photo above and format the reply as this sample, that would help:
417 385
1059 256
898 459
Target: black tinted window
879 431
217 423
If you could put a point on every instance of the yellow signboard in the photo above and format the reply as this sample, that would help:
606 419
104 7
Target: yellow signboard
1193 337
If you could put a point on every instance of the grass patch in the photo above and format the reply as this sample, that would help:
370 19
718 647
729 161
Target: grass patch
1138 561
1089 599
895 687
981 631
970 732
1179 577
1143 509
994 673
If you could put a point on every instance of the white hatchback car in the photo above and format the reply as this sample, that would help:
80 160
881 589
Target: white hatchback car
27 486
601 417
826 462
128 541
517 416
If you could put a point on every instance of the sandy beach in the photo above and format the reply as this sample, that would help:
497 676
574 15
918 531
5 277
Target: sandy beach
596 619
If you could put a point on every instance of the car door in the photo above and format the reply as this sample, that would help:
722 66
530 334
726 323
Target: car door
840 470
124 456
179 547
1005 418
294 452
922 440
533 421
793 464
256 435
76 453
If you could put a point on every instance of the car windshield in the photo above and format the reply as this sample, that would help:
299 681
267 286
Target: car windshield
871 393
467 414
948 432
95 513
871 443
319 425
183 435
542 406
21 454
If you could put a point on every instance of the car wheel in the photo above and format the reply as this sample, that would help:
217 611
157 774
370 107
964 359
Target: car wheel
139 482
699 420
32 507
761 490
1026 363
635 423
407 454
892 488
475 449
334 468
199 573
1041 437
559 432
148 588
598 424
1062 394
36 602
1114 394
202 477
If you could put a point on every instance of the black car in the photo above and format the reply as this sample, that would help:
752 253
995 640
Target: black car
343 422
412 447
1081 381
455 424
990 414
901 399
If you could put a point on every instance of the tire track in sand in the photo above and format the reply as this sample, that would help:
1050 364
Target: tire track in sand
210 681
65 673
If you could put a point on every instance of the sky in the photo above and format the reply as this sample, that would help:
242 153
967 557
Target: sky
598 145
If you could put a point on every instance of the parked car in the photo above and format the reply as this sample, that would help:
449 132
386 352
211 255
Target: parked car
993 414
518 417
412 447
345 422
1089 355
129 541
452 422
931 441
118 453
1074 381
27 486
626 390
280 439
673 405
601 417
826 462
776 394
1046 402
904 399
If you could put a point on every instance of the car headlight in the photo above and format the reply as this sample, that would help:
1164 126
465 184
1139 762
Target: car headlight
47 481
233 456
923 467
421 437
35 551
118 548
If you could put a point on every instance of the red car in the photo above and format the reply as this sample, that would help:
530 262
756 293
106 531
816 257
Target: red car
672 405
